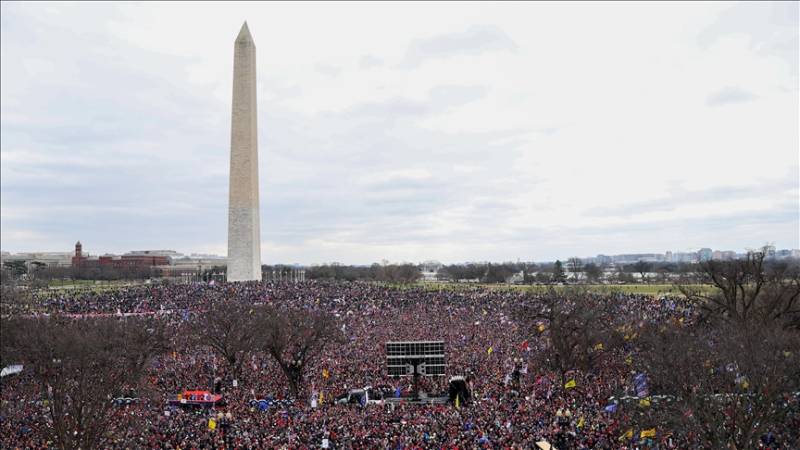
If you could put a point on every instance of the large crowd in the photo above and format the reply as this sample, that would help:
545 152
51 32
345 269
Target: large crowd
515 403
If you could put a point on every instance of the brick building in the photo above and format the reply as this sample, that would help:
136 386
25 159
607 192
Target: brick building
142 259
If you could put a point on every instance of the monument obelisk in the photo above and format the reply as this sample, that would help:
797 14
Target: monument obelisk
244 227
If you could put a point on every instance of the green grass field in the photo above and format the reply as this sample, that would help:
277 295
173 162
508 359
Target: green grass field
89 284
648 289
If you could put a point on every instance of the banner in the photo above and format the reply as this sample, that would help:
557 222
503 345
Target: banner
641 385
648 433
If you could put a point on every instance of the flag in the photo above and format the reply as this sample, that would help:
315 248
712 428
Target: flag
629 360
398 392
524 346
581 421
325 373
611 408
645 402
599 346
321 398
648 433
540 327
640 384
489 351
570 384
628 435
458 401
212 424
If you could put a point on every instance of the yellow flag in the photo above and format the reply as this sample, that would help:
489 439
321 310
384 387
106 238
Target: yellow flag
648 433
581 421
540 327
570 384
321 398
325 373
490 350
458 401
212 424
628 434
629 360
645 402
598 346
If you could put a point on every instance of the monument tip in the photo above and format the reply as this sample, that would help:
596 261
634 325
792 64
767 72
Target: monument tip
244 34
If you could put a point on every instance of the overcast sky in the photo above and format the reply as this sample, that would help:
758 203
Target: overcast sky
405 132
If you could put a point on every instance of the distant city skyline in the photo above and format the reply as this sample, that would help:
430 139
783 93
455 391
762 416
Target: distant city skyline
485 132
624 258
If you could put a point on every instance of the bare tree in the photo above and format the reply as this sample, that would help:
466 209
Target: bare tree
293 337
230 329
723 386
81 364
575 265
574 323
747 290
593 272
642 267
558 272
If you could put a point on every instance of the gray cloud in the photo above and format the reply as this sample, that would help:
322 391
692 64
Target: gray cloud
327 69
451 96
729 95
679 197
473 41
370 61
773 28
105 142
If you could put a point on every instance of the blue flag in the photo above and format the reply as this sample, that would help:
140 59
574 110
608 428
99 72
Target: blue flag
397 392
612 408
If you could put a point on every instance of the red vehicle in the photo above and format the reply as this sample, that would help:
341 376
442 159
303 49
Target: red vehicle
197 398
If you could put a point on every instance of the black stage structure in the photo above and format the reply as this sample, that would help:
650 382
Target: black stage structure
416 359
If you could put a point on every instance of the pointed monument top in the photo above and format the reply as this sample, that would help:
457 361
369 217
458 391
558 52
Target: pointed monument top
244 34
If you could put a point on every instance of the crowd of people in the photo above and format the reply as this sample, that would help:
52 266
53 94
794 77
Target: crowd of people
515 402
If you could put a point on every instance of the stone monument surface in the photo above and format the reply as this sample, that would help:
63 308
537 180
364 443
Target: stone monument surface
244 227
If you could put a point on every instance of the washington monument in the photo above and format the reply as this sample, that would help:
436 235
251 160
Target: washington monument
244 227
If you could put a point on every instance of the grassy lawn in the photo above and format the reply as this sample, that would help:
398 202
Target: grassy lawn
648 289
90 284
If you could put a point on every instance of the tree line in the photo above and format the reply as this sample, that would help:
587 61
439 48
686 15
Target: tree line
80 364
725 377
